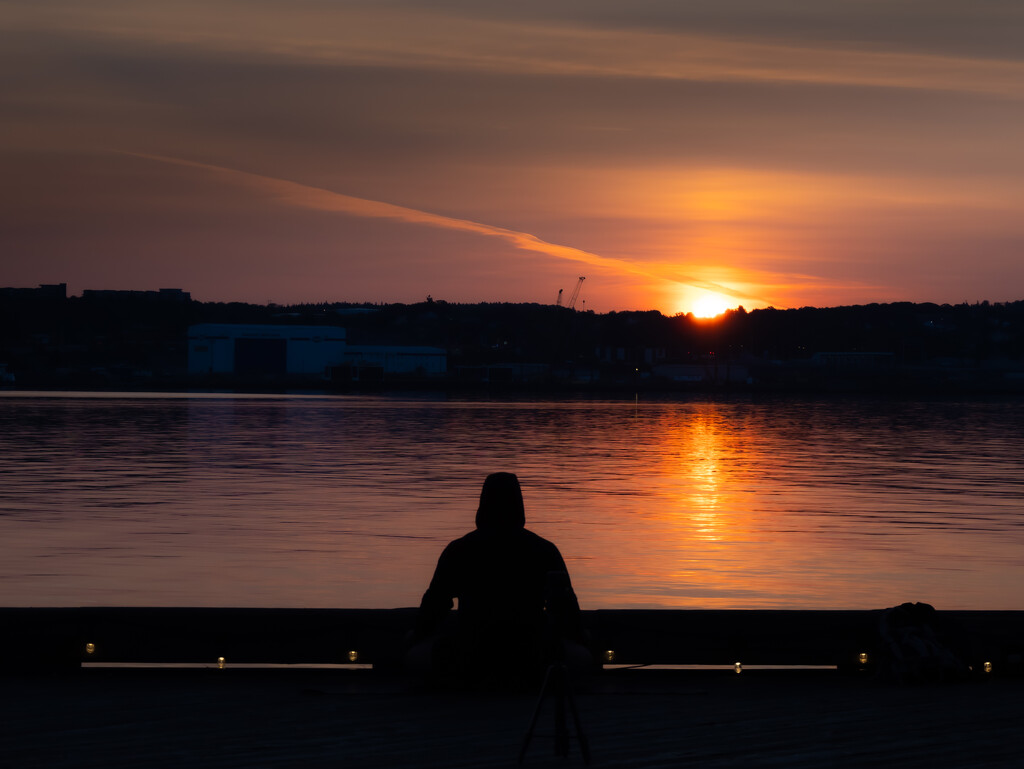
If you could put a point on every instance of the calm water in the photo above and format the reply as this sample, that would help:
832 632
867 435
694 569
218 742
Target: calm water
337 501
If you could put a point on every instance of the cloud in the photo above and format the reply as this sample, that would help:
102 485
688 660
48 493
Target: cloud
772 152
317 199
480 40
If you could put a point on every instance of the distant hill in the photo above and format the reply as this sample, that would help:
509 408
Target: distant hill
138 339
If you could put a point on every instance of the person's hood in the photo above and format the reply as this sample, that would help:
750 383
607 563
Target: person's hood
501 503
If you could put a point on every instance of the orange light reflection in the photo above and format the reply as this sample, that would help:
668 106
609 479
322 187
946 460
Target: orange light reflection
702 471
710 549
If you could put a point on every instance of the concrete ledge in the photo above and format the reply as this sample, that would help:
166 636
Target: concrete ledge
66 637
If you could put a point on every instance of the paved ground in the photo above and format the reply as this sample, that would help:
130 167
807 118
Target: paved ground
301 718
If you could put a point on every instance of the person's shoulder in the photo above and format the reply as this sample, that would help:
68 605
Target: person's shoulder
538 541
466 540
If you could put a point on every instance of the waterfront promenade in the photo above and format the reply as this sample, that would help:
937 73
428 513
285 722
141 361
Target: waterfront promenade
635 718
70 701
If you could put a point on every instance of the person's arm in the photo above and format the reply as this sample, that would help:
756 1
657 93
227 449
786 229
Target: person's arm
439 598
561 600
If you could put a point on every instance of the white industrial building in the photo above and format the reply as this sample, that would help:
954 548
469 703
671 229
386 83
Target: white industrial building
280 351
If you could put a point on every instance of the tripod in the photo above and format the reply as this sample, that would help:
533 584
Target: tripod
556 684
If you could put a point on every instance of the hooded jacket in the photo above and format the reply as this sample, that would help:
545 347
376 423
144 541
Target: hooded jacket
501 573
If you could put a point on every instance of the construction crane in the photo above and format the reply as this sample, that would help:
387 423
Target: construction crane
575 293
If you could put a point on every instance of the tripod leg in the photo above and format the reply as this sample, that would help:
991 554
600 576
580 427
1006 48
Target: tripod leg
561 728
536 714
584 745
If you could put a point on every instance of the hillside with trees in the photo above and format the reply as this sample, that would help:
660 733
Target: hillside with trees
139 340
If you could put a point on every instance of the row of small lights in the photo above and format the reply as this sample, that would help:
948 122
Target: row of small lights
862 658
609 656
353 656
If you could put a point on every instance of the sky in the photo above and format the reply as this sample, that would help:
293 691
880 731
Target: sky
682 155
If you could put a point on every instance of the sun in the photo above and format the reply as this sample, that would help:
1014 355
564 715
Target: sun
710 306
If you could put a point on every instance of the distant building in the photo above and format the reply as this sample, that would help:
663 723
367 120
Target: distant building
285 351
44 291
247 350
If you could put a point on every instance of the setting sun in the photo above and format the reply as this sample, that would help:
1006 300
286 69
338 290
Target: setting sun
710 306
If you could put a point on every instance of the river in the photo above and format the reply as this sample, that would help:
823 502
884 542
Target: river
346 501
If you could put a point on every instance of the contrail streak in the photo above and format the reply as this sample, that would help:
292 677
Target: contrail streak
316 198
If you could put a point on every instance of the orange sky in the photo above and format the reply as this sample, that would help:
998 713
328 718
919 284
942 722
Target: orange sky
744 152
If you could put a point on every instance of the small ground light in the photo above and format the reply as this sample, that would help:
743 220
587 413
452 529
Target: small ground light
90 648
862 658
609 656
220 663
987 667
353 656
739 667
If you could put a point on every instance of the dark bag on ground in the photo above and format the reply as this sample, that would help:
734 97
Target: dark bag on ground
916 647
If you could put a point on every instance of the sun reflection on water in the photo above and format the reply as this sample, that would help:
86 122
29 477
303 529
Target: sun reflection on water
696 478
702 474
705 547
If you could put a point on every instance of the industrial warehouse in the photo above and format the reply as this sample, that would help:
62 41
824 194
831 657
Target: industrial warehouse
224 350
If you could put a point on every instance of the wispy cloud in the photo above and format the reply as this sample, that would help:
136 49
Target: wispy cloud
318 199
432 39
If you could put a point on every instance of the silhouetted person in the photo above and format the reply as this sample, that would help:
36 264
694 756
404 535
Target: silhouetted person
516 607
